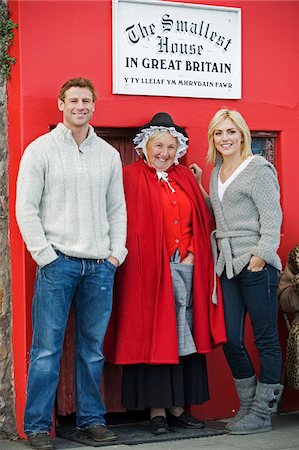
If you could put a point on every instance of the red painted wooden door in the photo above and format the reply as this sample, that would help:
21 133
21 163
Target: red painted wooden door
121 139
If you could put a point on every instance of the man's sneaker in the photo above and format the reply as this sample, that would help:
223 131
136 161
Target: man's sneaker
99 433
41 441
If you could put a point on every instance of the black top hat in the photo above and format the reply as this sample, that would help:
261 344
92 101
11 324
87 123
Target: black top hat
162 119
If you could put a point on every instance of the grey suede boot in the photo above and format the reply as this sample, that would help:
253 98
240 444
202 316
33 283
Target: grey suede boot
246 390
258 420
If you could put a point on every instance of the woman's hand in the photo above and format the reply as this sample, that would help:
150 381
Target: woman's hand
197 172
189 259
256 264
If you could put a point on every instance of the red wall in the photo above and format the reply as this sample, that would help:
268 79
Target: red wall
59 40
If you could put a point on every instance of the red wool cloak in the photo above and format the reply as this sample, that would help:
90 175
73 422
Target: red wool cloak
143 323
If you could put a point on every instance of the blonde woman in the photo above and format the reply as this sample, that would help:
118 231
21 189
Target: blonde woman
244 195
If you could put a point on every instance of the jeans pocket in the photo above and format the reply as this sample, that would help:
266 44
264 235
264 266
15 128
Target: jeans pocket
110 265
256 271
59 255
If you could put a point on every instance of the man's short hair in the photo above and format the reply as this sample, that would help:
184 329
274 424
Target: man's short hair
77 82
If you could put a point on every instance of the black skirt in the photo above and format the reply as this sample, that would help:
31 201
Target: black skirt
166 385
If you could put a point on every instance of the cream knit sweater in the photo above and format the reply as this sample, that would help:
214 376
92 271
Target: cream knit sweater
71 198
248 219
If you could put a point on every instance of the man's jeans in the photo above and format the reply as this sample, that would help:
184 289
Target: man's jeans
255 292
89 284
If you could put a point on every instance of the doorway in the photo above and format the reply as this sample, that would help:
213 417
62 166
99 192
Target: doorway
121 139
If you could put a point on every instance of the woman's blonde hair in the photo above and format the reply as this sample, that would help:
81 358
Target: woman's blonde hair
239 123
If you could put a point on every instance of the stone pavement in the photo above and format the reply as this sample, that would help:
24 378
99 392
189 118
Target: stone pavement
285 436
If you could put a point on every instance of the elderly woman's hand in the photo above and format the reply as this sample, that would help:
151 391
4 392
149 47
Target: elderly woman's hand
189 259
197 172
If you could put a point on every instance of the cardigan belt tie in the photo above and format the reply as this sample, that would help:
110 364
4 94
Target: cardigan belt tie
226 250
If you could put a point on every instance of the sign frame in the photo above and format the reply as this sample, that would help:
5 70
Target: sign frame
154 74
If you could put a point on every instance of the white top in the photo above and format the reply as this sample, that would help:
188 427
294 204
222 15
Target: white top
223 186
71 198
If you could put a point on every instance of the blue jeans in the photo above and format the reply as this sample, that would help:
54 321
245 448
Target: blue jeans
255 293
88 284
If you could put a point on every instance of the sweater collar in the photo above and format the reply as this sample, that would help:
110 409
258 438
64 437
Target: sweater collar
65 133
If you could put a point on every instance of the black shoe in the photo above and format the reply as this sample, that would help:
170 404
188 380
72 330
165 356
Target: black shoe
185 420
99 433
41 441
159 425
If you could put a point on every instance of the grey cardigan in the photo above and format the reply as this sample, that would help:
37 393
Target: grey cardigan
248 219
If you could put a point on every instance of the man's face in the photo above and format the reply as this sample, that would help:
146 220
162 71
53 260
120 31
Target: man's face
77 107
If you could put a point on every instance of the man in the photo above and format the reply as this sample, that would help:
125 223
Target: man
71 212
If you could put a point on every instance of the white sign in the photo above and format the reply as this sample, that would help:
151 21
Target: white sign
176 49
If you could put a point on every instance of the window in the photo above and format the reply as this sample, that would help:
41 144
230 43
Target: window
264 144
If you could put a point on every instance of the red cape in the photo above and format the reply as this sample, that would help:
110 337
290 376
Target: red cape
143 323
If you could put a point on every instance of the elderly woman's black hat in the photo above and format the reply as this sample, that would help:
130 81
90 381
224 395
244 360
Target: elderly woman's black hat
162 119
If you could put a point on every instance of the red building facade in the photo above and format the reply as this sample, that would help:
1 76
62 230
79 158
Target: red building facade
58 40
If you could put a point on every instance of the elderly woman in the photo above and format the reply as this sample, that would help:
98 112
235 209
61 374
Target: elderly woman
244 194
166 316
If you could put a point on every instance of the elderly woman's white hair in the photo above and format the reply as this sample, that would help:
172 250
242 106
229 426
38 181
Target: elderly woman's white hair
161 122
